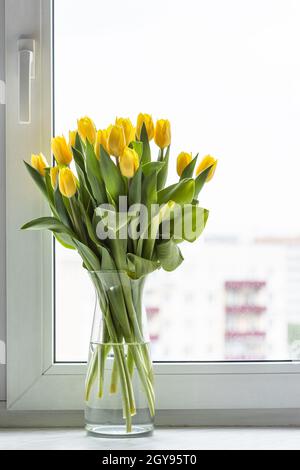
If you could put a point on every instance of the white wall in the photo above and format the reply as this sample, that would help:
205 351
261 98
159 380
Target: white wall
2 205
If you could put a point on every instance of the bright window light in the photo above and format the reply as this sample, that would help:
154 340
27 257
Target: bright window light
227 75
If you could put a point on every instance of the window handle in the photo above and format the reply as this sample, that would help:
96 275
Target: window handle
26 49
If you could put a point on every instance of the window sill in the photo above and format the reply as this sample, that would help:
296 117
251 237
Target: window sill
164 418
167 439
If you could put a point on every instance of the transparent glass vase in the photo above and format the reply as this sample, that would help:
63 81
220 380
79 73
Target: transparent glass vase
119 389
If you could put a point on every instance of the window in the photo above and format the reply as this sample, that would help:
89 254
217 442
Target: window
236 83
226 73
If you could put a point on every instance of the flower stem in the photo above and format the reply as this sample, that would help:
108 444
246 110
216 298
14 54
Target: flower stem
91 374
114 378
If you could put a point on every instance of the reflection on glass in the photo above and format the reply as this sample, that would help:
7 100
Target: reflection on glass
227 74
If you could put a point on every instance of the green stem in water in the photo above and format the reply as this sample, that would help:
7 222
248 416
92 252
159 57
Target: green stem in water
91 374
114 378
130 361
114 338
103 353
138 354
124 389
148 362
145 381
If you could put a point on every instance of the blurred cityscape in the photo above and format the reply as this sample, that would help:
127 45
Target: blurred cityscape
232 300
238 301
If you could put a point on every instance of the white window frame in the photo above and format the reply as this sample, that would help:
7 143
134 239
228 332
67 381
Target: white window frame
245 393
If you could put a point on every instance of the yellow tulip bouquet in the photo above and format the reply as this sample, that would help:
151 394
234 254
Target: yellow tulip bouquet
110 202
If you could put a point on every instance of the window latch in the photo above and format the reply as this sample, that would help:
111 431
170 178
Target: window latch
26 48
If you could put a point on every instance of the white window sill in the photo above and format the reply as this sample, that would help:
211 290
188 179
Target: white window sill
163 439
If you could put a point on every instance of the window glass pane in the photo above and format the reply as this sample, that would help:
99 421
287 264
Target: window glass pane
227 74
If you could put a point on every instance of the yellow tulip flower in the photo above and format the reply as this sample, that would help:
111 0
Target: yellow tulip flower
205 164
183 160
53 176
40 163
162 135
148 121
67 183
102 139
87 130
129 162
116 141
61 151
72 139
129 130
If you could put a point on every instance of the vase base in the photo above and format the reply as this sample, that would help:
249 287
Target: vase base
118 432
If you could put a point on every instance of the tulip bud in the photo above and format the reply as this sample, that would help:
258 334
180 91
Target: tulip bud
116 141
67 183
61 151
39 162
87 130
207 162
162 134
129 162
148 121
72 139
129 130
102 139
53 176
183 160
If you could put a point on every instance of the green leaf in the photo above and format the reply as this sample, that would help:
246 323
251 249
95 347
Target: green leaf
88 223
147 240
49 188
38 179
189 223
61 208
94 175
79 145
135 189
169 255
138 147
90 260
114 221
201 180
79 159
111 175
163 175
152 167
149 190
65 241
48 223
85 191
146 157
181 193
107 262
139 267
189 170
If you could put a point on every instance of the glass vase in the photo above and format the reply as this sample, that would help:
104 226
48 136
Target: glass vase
119 388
